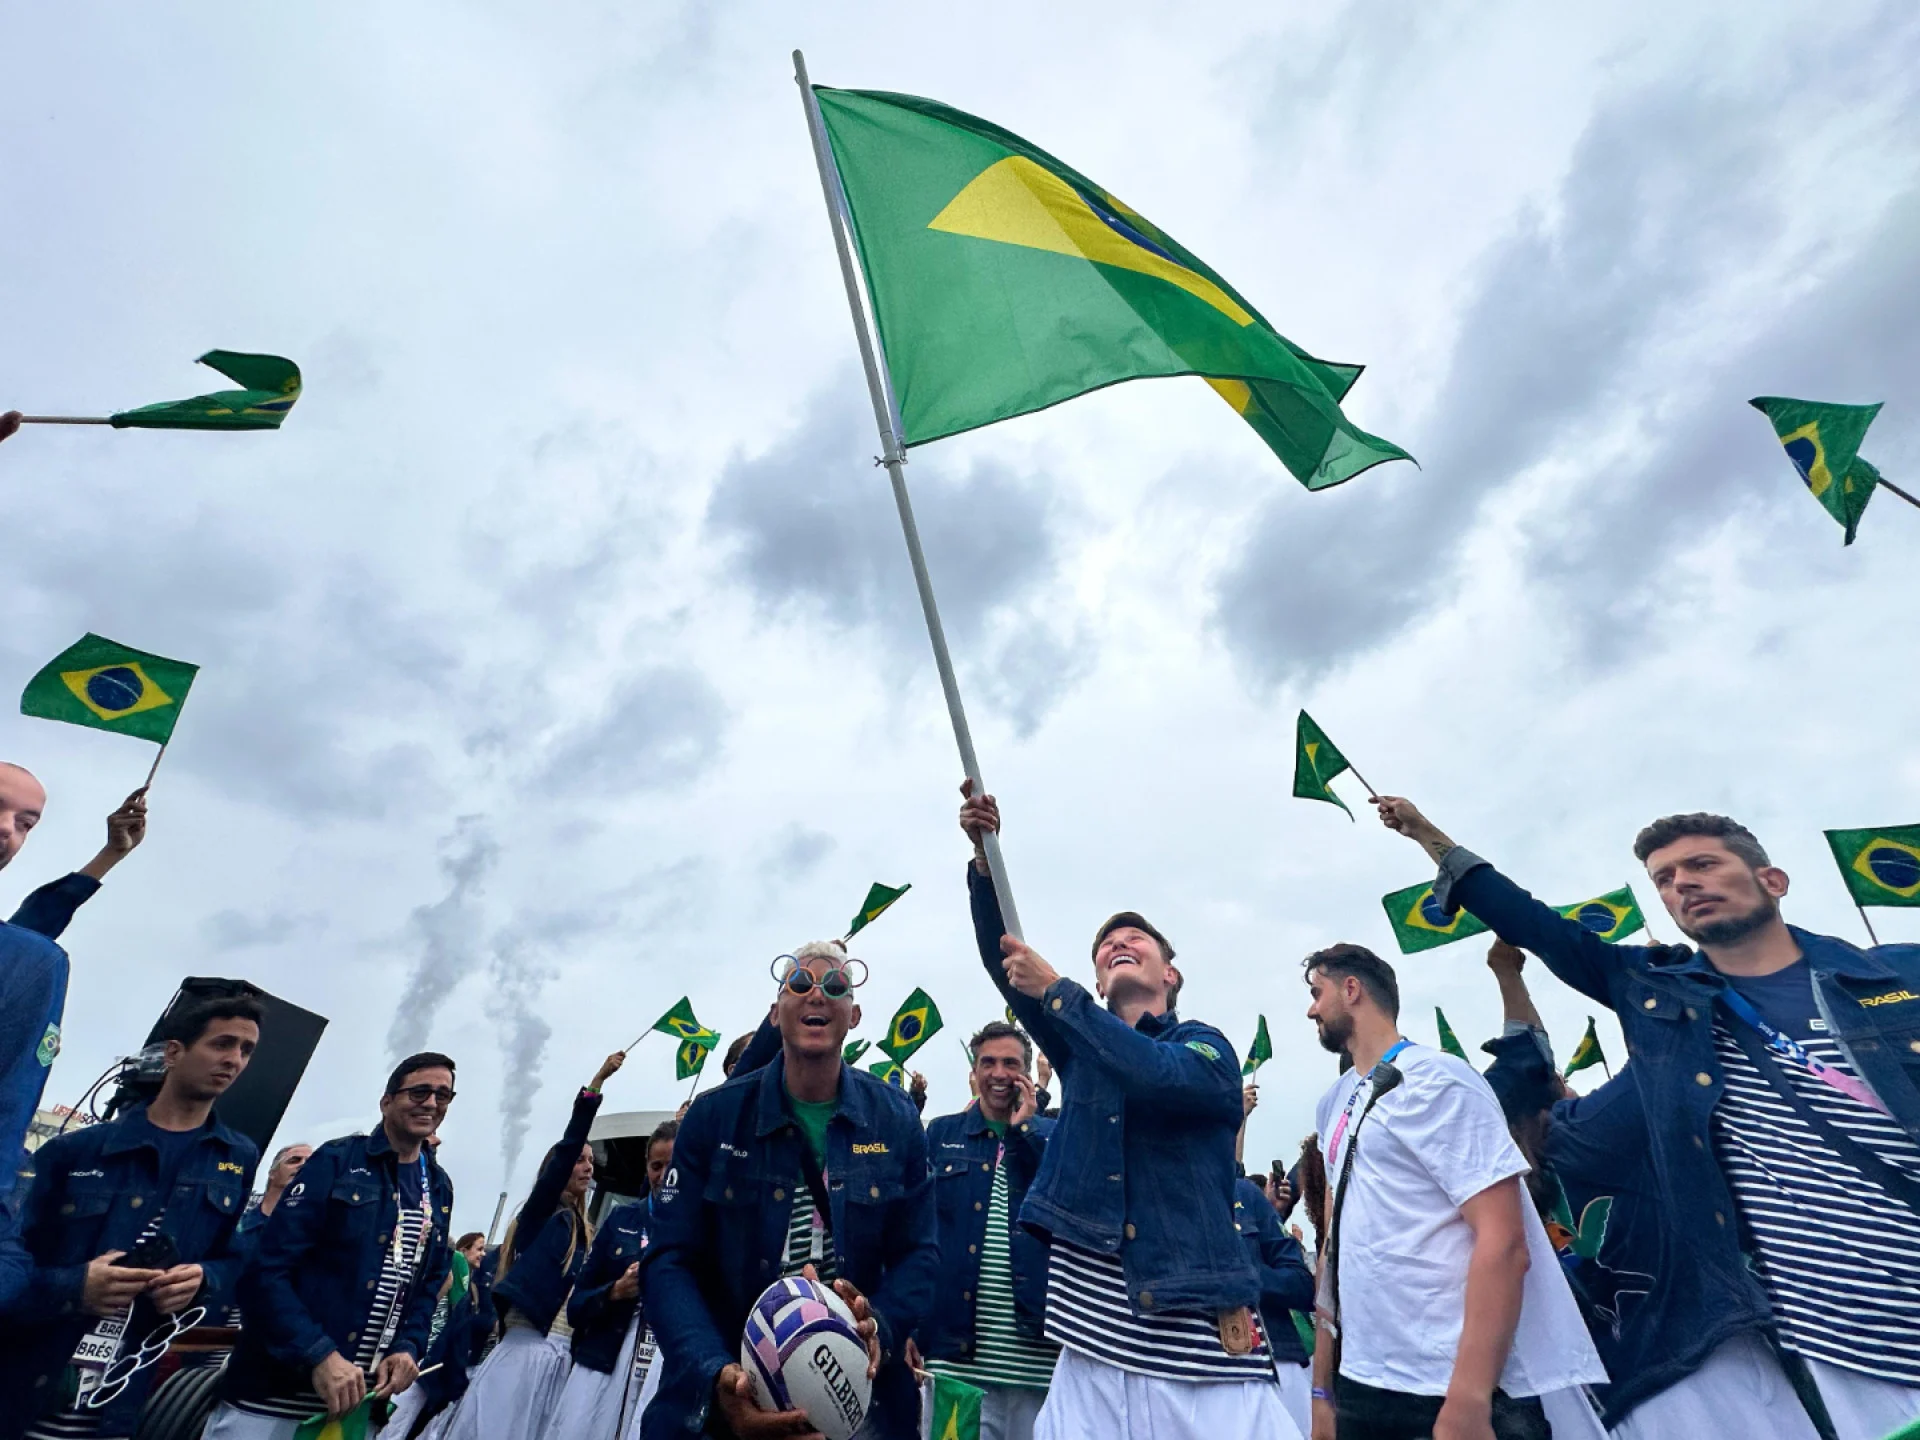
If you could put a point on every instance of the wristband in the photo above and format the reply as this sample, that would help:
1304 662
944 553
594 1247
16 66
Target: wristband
1319 1394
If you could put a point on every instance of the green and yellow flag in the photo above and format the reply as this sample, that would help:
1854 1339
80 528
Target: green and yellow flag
356 1424
953 1409
1881 867
887 1070
914 1023
1449 1041
679 1022
691 1057
1587 1052
1420 924
1003 281
1315 762
1260 1051
1823 441
879 897
110 686
272 384
1612 916
854 1049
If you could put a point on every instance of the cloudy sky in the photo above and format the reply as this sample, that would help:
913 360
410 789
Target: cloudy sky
560 656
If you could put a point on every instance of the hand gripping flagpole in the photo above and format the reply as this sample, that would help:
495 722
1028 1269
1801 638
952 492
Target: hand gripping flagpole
879 386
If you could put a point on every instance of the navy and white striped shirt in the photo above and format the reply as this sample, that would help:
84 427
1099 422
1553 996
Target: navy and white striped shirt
1088 1312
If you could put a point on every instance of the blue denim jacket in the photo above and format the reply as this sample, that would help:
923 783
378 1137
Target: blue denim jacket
548 1250
1664 997
960 1149
315 1263
720 1233
1286 1284
1141 1163
94 1190
599 1321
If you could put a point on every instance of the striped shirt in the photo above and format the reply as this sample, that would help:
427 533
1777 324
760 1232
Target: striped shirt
1088 1313
800 1237
1001 1354
1836 1252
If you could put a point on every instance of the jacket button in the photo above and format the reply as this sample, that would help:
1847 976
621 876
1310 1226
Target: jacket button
1703 1078
973 1249
356 1197
977 1205
1698 1143
985 1166
67 1209
1652 1002
763 1265
1129 1230
383 1239
873 1191
137 1201
966 1294
1692 1014
779 1194
1146 1299
1114 1178
1913 1045
1113 1119
370 1284
38 1381
1718 1218
352 1335
729 1192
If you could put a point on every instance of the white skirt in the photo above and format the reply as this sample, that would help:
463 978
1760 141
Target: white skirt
1739 1391
592 1406
648 1390
1091 1401
514 1390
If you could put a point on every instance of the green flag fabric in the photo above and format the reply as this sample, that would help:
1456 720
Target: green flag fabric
914 1023
887 1070
879 897
1587 1052
953 1409
1315 762
1823 441
854 1050
1004 282
272 384
1260 1051
1612 916
691 1057
356 1424
109 686
1881 867
679 1022
1420 924
1449 1041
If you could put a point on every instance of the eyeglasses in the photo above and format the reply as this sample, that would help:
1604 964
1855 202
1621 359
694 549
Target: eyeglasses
421 1094
838 983
120 1374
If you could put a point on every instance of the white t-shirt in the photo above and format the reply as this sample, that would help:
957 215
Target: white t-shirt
1432 1143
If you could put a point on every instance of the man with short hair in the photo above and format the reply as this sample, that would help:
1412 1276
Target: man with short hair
804 1166
1777 1070
1443 1312
285 1164
130 1223
1150 1292
338 1297
989 1312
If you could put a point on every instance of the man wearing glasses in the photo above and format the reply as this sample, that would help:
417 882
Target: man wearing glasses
338 1298
737 1210
130 1226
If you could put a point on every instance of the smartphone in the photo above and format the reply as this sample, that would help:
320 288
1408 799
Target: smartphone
152 1251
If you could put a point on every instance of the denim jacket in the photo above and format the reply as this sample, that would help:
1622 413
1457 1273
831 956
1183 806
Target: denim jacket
549 1251
1664 997
720 1233
1286 1284
599 1321
94 1190
305 1291
961 1150
1141 1163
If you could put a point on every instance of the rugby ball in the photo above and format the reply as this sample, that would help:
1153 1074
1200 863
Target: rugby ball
802 1351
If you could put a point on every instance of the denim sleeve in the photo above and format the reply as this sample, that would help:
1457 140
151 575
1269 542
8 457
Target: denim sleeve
49 910
50 1292
670 1265
556 1169
268 1300
594 1290
912 1248
988 927
760 1050
1573 952
1199 1073
30 982
1285 1281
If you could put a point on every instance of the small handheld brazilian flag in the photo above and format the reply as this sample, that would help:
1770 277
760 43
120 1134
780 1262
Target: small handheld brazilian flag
1449 1041
1260 1051
1420 924
953 1409
1315 762
1612 916
110 686
679 1022
887 1070
1823 441
854 1050
914 1023
1587 1052
356 1424
879 898
1881 867
691 1057
271 385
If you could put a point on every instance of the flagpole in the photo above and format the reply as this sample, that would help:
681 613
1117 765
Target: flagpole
148 783
83 420
1883 482
1371 792
879 387
1866 922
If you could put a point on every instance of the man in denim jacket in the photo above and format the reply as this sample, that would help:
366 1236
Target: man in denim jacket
1149 1288
161 1185
1777 1069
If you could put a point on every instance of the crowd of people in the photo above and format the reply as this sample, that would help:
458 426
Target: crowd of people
1718 1241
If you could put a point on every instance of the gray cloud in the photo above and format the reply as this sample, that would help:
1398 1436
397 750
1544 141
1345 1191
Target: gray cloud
796 852
227 930
517 975
448 931
661 727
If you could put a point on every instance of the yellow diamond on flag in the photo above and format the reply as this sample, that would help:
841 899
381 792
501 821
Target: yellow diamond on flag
115 691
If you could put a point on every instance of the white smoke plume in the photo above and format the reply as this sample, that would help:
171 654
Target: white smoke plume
449 932
517 975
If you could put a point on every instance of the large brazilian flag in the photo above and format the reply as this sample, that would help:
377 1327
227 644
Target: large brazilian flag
1881 866
1420 924
1004 281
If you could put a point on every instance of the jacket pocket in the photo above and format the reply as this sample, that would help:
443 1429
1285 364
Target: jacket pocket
352 1205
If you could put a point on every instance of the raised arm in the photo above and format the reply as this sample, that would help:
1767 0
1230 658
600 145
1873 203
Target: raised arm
50 909
557 1168
977 817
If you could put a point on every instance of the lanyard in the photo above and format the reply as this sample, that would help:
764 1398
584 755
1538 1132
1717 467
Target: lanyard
1346 1115
1792 1049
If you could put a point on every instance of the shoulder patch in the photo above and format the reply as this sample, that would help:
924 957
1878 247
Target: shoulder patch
876 1148
49 1045
1201 1047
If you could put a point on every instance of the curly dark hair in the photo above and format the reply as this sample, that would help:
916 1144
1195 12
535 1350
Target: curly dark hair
1669 828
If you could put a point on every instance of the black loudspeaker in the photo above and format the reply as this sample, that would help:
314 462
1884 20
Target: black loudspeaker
255 1102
